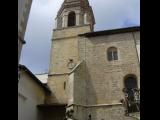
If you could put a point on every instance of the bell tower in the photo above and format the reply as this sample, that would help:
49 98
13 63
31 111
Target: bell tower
74 17
75 13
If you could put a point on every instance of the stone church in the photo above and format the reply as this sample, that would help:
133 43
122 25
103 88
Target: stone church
92 75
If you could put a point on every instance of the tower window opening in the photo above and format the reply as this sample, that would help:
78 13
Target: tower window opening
71 19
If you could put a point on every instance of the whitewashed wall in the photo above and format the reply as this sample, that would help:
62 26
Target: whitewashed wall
30 94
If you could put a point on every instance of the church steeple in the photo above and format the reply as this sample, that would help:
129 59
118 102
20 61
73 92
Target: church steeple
74 17
75 13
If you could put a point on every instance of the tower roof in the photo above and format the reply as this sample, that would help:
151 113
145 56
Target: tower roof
112 31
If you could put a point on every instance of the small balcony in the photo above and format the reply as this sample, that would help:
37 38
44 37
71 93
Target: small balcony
131 101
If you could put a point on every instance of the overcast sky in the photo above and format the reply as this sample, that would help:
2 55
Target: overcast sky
109 14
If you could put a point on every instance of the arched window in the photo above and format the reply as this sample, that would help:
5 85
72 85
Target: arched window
112 54
131 93
71 19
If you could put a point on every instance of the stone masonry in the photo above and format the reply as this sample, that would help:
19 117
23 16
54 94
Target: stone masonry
93 87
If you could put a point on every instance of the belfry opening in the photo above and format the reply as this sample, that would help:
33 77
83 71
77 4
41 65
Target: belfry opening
71 19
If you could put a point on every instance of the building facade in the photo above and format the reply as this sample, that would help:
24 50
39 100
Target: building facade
31 93
65 43
109 65
93 75
23 14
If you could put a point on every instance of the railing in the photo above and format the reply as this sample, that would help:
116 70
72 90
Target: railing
131 101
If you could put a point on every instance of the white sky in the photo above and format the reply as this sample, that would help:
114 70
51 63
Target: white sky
109 14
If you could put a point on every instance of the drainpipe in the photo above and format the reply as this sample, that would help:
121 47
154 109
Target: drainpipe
136 47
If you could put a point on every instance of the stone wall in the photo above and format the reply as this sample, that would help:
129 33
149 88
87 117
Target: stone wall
77 91
19 48
80 85
23 15
102 112
111 112
56 85
105 79
64 47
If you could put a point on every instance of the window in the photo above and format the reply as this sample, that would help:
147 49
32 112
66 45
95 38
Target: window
132 94
71 19
112 54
